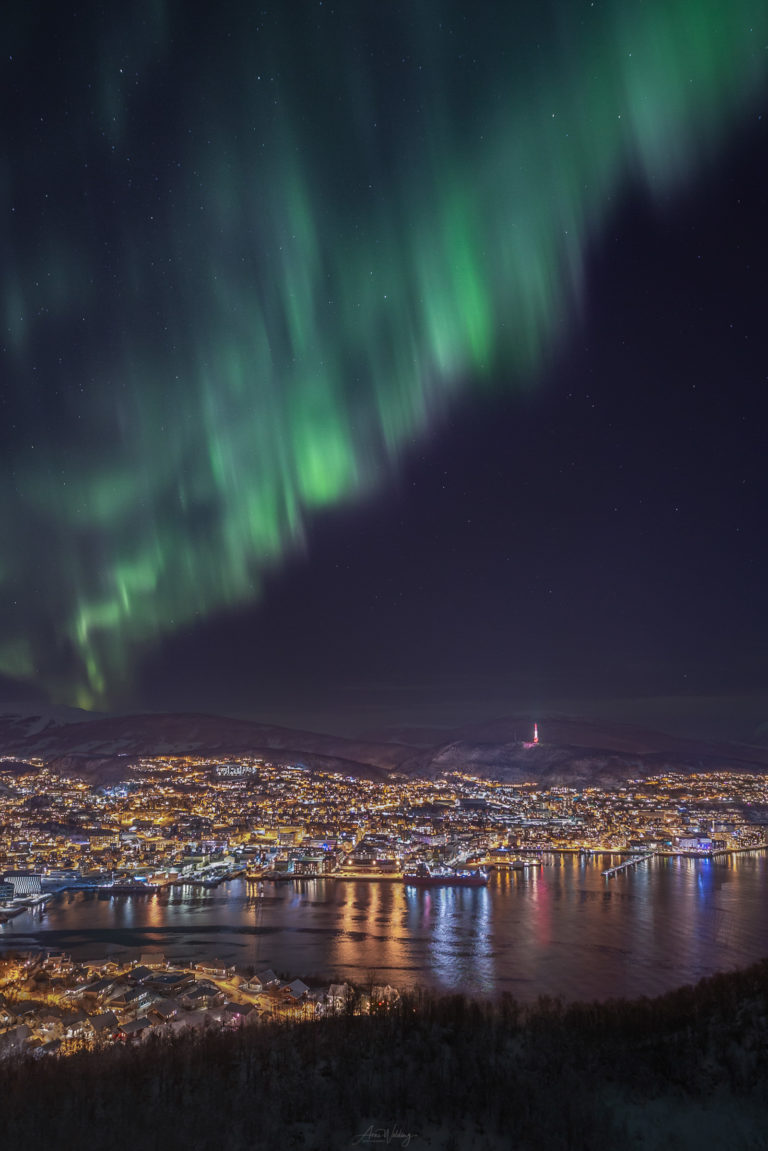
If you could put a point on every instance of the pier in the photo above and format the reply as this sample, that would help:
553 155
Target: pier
611 871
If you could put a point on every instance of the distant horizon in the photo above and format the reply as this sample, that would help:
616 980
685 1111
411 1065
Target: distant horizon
710 719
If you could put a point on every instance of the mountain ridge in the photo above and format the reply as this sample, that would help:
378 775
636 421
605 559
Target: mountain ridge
569 750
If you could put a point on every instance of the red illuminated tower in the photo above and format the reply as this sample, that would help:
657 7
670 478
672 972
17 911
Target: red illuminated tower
535 733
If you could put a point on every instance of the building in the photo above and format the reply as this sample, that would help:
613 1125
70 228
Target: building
203 996
218 968
24 882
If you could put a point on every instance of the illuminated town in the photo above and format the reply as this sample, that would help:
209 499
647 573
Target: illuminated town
178 819
196 821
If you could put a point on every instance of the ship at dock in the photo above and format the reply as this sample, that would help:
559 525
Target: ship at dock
426 876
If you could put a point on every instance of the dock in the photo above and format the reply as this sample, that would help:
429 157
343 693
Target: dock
635 859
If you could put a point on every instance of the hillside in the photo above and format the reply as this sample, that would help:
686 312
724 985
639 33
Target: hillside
576 752
686 1069
570 751
100 740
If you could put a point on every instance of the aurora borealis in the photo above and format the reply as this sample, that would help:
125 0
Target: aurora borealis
254 255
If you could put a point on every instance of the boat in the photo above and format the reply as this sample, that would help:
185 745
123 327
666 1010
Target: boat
426 876
524 864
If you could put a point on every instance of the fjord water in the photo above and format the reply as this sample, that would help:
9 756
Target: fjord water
559 930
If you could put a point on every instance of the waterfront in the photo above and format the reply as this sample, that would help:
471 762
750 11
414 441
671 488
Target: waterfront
559 930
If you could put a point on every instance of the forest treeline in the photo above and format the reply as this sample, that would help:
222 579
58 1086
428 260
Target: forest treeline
448 1071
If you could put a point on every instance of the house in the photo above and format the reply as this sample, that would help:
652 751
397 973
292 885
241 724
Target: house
78 990
337 997
172 982
98 991
383 996
102 1026
252 985
103 967
204 995
236 1014
293 997
76 1025
58 961
153 959
140 974
218 968
165 1009
116 1001
139 998
134 1029
261 981
294 991
130 998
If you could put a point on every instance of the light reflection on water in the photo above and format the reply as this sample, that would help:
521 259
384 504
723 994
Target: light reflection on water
559 930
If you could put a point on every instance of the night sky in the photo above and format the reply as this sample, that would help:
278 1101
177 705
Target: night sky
380 362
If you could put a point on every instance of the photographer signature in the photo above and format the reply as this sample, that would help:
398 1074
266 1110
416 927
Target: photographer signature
386 1135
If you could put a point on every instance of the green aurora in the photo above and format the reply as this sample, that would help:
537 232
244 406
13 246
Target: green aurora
250 259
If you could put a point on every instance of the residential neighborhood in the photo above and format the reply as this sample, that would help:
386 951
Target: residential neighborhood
51 1005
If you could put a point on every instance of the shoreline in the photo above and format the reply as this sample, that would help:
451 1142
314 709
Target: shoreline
535 854
542 933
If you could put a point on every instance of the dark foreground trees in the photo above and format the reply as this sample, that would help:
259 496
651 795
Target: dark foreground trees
658 1073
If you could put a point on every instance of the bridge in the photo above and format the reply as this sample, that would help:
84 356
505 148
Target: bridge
611 871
